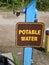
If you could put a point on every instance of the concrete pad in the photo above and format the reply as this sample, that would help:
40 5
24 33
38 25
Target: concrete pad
9 55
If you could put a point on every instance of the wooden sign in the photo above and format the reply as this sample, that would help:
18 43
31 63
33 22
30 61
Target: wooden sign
29 34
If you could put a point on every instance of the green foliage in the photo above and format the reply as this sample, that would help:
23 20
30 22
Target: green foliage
15 59
9 6
45 53
42 5
1 4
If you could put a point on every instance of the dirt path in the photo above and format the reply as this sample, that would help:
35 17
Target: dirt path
7 28
7 35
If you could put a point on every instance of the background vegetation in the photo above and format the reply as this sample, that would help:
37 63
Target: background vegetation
43 5
20 4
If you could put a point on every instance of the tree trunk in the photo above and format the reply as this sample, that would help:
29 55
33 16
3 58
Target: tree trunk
7 1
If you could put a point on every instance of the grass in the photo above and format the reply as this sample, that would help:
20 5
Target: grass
4 9
15 59
45 53
10 8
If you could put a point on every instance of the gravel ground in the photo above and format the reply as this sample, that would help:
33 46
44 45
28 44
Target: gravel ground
7 36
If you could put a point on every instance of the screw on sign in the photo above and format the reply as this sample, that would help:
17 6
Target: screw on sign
29 34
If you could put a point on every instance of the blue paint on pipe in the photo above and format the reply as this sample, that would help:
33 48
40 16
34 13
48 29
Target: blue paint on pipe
30 12
30 15
27 56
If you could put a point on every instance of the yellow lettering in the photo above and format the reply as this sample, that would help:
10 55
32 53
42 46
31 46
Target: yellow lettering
31 32
23 32
26 31
22 38
20 31
29 38
32 38
36 39
39 32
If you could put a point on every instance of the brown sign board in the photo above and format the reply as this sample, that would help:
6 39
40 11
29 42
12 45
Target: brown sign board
29 34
